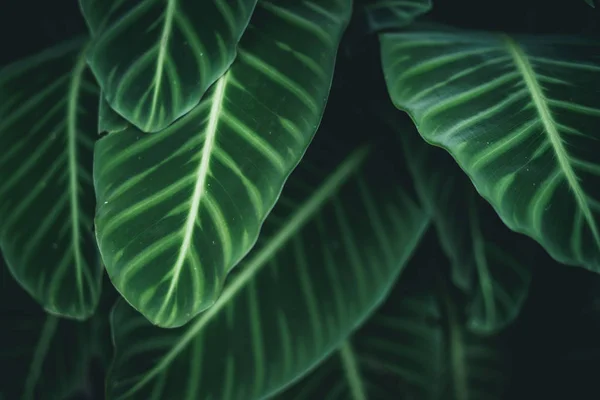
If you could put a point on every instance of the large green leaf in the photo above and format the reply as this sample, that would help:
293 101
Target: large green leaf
48 117
42 356
394 14
416 346
154 60
328 254
491 265
520 116
180 208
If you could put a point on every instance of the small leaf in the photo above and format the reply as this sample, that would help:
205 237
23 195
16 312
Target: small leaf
328 254
154 60
520 116
48 119
179 209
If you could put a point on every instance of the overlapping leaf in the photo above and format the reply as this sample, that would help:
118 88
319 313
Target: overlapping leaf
179 209
492 266
42 356
520 116
415 347
48 117
154 60
329 252
391 14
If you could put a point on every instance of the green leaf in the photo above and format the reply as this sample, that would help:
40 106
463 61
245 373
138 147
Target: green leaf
520 116
48 119
394 14
179 209
42 356
590 3
415 346
154 60
328 254
492 266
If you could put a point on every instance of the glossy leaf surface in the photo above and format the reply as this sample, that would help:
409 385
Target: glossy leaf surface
48 118
180 208
328 254
491 265
394 14
414 347
42 356
520 116
154 60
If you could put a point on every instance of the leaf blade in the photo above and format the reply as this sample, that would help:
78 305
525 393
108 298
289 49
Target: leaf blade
46 233
527 150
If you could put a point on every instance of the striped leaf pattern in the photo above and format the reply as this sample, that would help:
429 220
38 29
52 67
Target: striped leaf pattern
394 14
490 265
415 347
155 59
42 356
328 254
48 117
520 116
179 209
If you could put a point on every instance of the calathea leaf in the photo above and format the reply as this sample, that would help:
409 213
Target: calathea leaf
48 117
393 14
328 254
154 60
42 356
492 266
415 346
519 115
179 209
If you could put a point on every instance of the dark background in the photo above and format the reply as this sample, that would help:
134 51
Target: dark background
556 341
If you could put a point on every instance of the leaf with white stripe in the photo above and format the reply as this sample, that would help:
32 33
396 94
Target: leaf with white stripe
414 347
154 60
394 14
48 118
520 116
489 263
42 356
180 208
328 254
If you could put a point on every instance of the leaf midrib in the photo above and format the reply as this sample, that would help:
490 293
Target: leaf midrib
74 90
160 60
254 264
199 189
543 109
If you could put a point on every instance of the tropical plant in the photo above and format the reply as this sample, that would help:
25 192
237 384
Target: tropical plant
219 200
